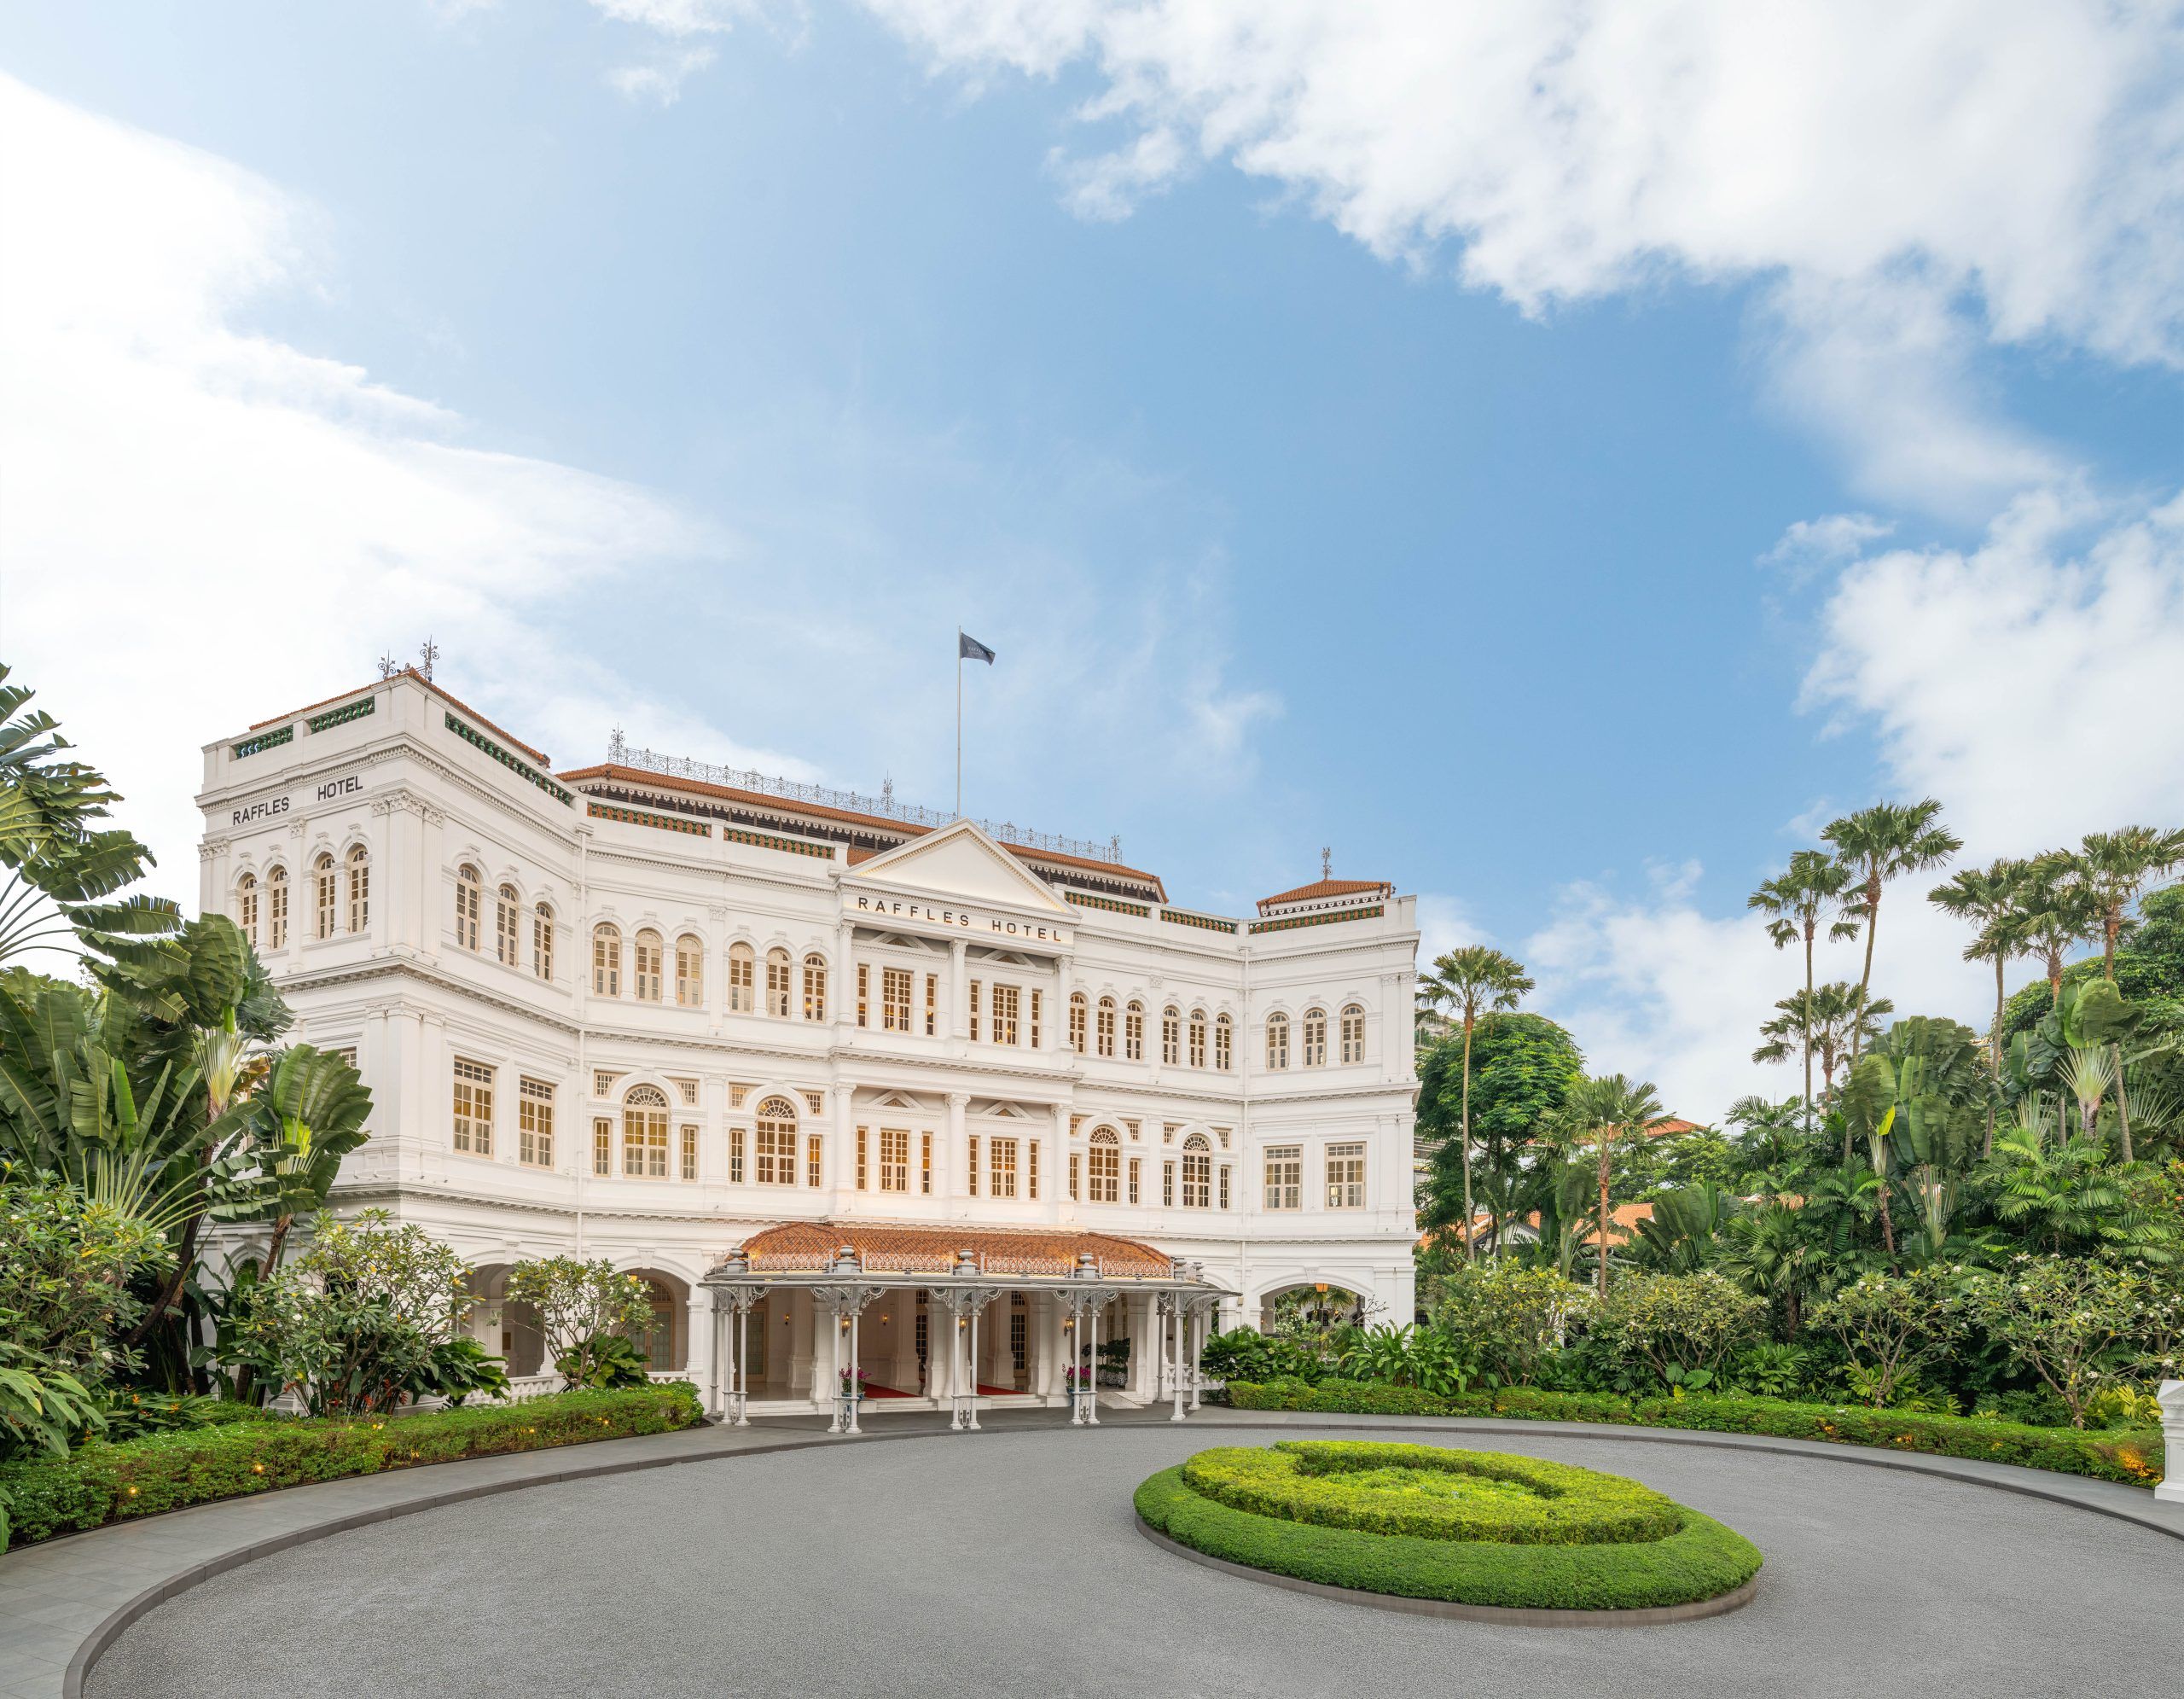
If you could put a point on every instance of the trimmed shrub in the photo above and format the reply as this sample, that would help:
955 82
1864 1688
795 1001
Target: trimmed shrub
99 1483
1339 1484
2133 1458
1701 1559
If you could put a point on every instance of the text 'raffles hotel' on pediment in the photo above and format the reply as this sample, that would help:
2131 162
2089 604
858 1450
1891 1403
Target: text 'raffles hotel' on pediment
651 1011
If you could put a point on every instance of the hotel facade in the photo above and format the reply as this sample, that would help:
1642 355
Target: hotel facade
688 1021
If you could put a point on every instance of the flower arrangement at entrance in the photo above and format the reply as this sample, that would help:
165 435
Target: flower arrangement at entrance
853 1382
1471 1527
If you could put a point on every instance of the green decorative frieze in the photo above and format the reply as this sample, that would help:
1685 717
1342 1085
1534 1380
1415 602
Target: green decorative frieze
342 715
1113 906
523 769
266 739
1290 923
638 816
1205 923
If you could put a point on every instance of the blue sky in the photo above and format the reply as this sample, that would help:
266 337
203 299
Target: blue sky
1561 521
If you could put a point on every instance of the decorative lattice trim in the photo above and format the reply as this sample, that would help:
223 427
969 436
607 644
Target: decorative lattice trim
1113 906
342 715
515 765
1295 921
1184 917
638 816
737 834
265 740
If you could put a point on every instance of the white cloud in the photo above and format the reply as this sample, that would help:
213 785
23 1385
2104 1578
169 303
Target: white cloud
1904 183
1445 922
2038 691
205 526
660 80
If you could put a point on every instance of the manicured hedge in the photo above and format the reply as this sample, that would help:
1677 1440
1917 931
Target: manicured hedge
2135 1458
1316 1482
1702 1560
100 1483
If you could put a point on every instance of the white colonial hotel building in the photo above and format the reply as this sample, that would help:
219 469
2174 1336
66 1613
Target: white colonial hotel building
628 1011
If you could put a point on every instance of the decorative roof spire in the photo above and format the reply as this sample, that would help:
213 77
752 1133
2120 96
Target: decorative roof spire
1327 862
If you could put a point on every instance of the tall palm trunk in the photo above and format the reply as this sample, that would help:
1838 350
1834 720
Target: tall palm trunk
1606 1150
1866 975
1987 1145
1464 1132
1812 926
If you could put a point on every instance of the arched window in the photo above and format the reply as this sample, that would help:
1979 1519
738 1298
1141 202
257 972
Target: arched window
276 908
325 895
1316 1038
469 905
1353 1032
644 1133
814 987
1224 1048
1133 1032
606 960
1277 1040
541 941
657 1339
360 888
1172 1035
776 1143
507 929
1198 1038
246 906
1198 1173
777 992
742 964
646 964
1103 1166
1079 1013
690 971
1104 1025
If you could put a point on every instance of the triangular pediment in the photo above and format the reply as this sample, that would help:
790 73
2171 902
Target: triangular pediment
960 861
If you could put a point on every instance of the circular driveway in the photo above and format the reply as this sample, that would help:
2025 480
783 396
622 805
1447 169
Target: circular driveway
1009 1562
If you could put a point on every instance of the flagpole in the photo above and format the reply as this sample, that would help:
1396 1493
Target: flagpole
959 722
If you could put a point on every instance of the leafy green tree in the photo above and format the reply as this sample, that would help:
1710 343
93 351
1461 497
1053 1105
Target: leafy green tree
1774 1248
306 1114
63 866
1988 896
2067 1319
1944 1099
581 1306
1514 1317
1604 1113
1521 1068
1796 903
1836 1019
1879 844
1679 1237
1473 980
1892 1325
1683 1325
1869 1111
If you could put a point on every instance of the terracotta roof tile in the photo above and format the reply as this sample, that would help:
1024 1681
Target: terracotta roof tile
1002 1250
1328 887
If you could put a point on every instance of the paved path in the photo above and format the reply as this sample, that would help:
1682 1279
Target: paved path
1008 1563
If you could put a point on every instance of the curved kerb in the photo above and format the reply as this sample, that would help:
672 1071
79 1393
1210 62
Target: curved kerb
1509 1616
2062 1489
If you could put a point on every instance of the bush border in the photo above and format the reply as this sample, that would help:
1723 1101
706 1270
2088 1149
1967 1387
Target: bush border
100 1483
2131 1458
1704 1562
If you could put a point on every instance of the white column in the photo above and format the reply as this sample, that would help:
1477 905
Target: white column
958 1102
1198 1346
698 1341
1058 1028
958 993
1063 1209
973 1424
740 1380
714 1402
1092 1365
840 1166
1177 1325
2171 1399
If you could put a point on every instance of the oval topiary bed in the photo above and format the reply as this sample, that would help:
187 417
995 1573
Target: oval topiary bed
1479 1529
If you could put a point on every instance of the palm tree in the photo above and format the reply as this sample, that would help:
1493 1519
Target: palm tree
1770 1250
1878 843
2056 909
2113 871
1795 905
1473 980
1988 895
1869 1110
1603 1112
1832 1017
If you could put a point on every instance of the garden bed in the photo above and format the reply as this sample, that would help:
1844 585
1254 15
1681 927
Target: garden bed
2133 1458
1473 1528
99 1483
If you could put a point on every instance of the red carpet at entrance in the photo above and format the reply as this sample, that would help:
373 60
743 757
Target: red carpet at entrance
872 1390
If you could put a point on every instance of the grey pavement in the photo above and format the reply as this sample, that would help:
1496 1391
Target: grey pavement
1008 1563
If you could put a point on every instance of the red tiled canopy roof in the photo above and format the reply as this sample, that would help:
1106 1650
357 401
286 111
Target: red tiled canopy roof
1328 887
810 1245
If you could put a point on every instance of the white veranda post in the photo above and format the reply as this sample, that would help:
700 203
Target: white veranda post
1175 1312
963 1304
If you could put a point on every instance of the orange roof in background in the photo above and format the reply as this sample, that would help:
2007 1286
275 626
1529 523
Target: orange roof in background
538 755
784 805
1329 887
811 1245
1624 1216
